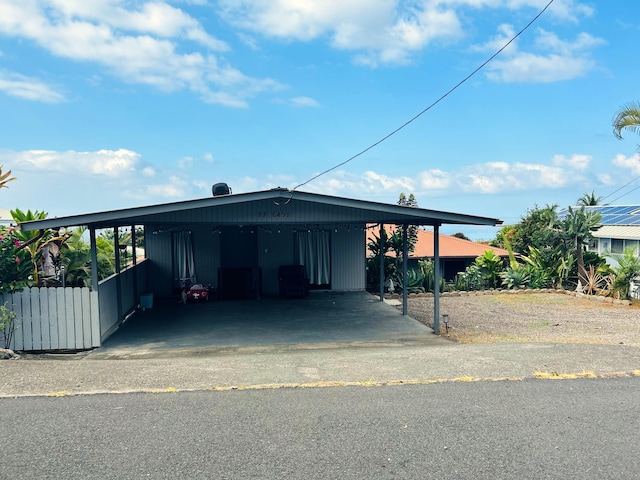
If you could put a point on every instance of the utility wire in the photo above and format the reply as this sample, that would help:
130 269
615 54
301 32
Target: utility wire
624 194
445 95
616 191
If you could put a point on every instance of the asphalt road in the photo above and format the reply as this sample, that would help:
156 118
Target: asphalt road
531 429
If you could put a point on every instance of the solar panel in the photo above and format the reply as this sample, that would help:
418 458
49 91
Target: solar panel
611 214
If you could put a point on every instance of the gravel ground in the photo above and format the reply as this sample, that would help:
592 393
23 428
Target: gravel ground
532 317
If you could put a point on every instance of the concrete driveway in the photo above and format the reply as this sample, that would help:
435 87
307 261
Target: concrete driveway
323 317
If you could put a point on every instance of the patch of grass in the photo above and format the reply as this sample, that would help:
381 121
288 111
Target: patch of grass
541 324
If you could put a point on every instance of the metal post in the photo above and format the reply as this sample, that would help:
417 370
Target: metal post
436 279
116 247
94 259
381 247
405 249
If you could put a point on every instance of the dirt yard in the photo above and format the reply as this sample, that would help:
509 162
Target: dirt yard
531 317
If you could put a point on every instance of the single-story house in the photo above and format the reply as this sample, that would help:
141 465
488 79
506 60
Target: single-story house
234 243
456 254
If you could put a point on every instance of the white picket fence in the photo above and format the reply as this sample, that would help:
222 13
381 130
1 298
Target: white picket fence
54 318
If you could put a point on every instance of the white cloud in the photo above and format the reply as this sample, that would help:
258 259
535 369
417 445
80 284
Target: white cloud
381 31
631 163
304 102
576 161
110 163
16 85
144 45
555 59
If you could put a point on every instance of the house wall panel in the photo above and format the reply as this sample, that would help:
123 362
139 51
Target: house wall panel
275 248
348 259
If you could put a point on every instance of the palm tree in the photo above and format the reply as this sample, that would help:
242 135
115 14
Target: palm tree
577 227
589 200
628 118
4 178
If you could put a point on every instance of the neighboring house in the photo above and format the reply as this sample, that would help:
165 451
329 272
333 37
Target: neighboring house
5 217
236 244
456 254
619 228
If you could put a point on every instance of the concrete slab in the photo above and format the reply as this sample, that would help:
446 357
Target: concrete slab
323 317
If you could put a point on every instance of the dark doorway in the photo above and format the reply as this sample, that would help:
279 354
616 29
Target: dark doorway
239 276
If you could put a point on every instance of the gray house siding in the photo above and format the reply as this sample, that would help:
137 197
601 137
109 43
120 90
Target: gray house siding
348 257
265 247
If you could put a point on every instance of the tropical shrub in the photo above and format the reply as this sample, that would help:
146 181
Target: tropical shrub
15 265
515 277
415 281
625 272
469 280
7 325
490 266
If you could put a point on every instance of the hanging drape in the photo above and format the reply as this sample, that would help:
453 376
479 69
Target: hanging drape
313 253
183 257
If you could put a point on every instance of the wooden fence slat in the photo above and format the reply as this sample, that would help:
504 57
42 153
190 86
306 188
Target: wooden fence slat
95 319
61 319
76 294
14 301
53 318
45 326
68 317
36 331
86 318
27 333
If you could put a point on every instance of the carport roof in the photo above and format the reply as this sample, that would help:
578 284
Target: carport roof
279 205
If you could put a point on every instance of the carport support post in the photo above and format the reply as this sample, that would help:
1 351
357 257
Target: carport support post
381 247
436 279
116 245
405 250
94 259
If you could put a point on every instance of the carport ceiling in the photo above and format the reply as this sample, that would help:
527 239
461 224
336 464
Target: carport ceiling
270 207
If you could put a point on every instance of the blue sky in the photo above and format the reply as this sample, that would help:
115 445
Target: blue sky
113 103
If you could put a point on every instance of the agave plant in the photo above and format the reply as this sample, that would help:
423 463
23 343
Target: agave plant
415 281
515 277
595 283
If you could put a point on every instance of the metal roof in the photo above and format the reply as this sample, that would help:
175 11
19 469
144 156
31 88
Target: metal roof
624 232
276 206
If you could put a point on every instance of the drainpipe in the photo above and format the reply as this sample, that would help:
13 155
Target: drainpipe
381 247
405 249
436 279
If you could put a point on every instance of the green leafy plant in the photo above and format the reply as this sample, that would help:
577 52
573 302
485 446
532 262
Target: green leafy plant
15 265
470 280
415 281
7 325
625 272
490 266
515 277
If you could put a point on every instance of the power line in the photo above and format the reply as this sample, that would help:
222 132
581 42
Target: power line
616 191
445 95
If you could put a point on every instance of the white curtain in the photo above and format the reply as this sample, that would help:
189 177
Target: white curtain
183 257
313 253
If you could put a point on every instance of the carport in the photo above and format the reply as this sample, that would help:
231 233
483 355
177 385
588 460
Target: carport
236 243
323 317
